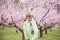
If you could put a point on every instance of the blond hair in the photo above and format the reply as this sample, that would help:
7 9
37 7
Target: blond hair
29 14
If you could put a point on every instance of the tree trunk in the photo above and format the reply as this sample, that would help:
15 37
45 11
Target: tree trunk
41 32
45 30
3 26
23 38
21 30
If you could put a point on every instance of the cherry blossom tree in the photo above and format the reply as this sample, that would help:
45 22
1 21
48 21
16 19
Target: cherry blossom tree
46 13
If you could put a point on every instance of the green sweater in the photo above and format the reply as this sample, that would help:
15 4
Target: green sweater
27 30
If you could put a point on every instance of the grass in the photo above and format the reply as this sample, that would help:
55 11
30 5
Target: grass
10 34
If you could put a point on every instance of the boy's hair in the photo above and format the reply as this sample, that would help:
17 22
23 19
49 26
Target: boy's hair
30 14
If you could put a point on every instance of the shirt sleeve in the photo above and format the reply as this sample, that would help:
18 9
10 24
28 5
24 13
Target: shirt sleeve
36 30
25 31
35 26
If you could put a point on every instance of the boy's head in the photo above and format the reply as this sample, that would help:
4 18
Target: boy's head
29 16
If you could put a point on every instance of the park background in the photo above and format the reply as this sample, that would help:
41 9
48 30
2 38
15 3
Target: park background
46 14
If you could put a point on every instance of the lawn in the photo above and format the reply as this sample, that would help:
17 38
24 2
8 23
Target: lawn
10 34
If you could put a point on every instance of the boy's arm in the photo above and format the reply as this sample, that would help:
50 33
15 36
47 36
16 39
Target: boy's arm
25 32
35 26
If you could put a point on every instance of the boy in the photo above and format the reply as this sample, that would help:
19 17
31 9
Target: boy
30 27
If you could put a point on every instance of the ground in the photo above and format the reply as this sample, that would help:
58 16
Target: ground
10 34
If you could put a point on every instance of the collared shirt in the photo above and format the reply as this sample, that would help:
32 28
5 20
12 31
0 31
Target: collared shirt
27 30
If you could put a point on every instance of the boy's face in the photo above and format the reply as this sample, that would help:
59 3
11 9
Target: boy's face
29 17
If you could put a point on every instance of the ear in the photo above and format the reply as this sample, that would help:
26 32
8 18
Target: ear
26 16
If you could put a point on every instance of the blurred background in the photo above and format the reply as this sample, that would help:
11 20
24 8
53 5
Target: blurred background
46 14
